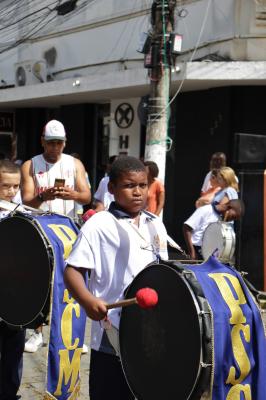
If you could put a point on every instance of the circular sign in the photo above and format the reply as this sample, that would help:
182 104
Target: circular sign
124 115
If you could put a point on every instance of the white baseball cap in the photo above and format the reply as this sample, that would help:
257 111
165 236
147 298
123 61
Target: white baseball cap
54 130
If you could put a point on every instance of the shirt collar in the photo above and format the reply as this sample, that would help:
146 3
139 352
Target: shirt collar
117 212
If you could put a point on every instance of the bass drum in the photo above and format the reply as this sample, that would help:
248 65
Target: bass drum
27 263
166 350
219 239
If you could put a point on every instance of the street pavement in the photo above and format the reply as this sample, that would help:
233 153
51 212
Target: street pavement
34 370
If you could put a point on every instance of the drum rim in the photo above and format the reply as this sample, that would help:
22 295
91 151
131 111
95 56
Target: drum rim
48 247
165 264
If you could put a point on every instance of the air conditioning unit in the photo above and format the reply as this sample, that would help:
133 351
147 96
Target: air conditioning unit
30 72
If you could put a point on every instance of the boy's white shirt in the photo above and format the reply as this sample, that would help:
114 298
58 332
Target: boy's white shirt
199 220
113 267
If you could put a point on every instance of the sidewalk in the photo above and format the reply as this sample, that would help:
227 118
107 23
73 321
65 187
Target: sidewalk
34 371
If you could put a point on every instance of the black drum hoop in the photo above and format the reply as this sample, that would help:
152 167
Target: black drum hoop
201 309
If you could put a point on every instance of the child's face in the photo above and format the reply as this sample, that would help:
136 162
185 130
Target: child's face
9 185
130 191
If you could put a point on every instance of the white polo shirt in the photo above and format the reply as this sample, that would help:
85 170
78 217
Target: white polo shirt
116 250
199 220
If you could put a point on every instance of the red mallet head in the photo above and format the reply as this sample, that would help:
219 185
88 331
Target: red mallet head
147 297
88 214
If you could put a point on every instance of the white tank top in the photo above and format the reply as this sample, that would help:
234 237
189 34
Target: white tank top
44 175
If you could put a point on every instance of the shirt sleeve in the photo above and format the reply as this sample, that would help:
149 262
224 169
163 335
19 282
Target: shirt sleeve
194 220
231 193
160 187
206 183
99 194
82 255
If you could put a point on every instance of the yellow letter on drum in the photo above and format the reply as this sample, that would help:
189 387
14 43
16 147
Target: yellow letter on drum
68 370
240 354
66 235
235 392
66 321
221 280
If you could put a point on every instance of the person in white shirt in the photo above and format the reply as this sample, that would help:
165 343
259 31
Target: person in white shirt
195 226
39 188
39 176
102 197
115 245
11 339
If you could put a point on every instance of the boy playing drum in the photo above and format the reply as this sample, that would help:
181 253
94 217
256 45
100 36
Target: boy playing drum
115 245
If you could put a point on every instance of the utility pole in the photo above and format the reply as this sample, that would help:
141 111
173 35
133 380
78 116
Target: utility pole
162 19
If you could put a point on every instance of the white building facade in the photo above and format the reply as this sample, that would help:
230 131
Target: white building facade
77 61
88 55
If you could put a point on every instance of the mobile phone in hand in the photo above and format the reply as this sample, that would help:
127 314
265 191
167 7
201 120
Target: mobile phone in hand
59 182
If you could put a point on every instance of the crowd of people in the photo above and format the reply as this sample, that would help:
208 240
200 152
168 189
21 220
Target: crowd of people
125 234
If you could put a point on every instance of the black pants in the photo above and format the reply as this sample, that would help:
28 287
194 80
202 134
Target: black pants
11 361
107 380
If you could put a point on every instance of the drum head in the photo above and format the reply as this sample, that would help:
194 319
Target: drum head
161 347
218 236
25 272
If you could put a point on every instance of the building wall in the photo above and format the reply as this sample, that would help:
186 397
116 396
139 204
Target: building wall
104 35
125 140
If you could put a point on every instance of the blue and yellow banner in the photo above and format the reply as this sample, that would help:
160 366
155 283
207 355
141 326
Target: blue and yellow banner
67 318
239 336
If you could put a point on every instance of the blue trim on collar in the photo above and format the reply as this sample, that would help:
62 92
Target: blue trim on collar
117 211
215 210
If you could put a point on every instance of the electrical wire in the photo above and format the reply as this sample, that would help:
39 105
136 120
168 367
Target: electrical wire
32 22
190 60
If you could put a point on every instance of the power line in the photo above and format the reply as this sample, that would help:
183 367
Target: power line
156 116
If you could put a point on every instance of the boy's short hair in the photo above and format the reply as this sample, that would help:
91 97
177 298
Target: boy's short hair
125 164
153 168
238 206
9 167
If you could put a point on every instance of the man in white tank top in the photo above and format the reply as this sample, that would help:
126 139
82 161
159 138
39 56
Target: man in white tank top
40 173
39 190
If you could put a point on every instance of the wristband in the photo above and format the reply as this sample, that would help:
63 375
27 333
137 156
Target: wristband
40 197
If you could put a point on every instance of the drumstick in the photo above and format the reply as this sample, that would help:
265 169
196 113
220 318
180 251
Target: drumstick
145 298
9 206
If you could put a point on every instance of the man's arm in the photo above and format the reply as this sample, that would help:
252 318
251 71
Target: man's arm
82 193
187 232
160 203
29 196
75 282
99 206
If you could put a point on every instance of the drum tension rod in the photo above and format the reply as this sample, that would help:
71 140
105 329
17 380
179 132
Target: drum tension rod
204 312
185 272
204 365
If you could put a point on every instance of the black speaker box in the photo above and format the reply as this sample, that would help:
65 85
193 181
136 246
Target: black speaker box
249 230
250 149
